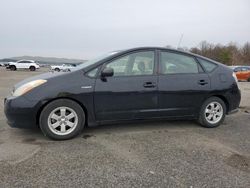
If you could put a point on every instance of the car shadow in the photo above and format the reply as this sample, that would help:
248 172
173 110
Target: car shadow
141 126
35 136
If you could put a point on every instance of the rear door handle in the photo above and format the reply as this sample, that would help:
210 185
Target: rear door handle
202 82
149 85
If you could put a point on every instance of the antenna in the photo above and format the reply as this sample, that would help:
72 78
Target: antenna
180 41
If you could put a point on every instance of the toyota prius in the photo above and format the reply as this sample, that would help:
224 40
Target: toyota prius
135 84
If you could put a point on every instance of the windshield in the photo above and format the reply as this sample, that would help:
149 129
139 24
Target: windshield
95 60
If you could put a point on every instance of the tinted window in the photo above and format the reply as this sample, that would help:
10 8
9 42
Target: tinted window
174 63
24 62
140 63
238 69
245 69
207 65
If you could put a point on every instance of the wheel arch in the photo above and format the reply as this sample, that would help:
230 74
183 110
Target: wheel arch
69 98
13 66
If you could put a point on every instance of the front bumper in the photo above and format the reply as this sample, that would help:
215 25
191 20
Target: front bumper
20 112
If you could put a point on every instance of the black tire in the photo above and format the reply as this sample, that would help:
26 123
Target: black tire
57 69
12 67
48 109
202 116
32 68
248 79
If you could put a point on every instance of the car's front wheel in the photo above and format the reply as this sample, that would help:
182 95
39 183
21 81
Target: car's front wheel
13 67
212 112
62 119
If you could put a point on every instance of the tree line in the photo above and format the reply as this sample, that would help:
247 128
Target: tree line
230 54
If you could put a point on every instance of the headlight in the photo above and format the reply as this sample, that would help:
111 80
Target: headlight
27 87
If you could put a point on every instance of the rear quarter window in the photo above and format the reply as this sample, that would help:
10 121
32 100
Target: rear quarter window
207 65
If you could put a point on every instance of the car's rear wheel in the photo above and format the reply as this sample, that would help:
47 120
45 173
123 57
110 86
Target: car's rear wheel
13 67
57 69
212 112
62 119
32 68
248 79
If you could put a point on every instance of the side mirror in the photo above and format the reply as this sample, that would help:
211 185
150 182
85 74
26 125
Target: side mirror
107 72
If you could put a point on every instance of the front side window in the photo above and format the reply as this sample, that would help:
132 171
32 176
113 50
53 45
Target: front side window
138 63
175 63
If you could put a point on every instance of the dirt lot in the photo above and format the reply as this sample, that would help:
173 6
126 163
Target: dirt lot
158 154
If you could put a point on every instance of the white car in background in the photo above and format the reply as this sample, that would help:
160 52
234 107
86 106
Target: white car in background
63 67
23 64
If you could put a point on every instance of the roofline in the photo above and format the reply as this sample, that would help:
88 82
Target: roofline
25 60
173 50
130 50
158 48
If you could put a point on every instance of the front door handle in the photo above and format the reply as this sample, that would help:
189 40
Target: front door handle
202 82
149 85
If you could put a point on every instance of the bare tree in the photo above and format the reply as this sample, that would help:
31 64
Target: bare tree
230 54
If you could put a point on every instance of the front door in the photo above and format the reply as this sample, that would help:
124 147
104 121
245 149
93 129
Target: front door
131 93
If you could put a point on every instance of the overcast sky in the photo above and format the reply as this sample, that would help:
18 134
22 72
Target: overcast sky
84 29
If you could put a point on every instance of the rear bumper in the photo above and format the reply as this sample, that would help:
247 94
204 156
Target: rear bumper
234 98
20 112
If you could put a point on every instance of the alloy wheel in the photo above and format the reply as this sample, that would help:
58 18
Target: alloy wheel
213 112
62 120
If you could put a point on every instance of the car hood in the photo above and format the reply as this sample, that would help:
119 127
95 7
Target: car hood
45 76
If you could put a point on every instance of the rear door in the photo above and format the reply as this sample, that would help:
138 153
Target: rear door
131 93
183 85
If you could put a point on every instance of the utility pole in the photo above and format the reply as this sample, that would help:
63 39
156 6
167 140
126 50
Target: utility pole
180 41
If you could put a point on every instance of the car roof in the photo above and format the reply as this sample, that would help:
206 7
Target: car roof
239 66
26 60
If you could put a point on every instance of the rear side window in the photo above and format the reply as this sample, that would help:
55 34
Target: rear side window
245 69
207 65
174 63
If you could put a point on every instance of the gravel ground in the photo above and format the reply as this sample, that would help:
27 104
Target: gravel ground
152 154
